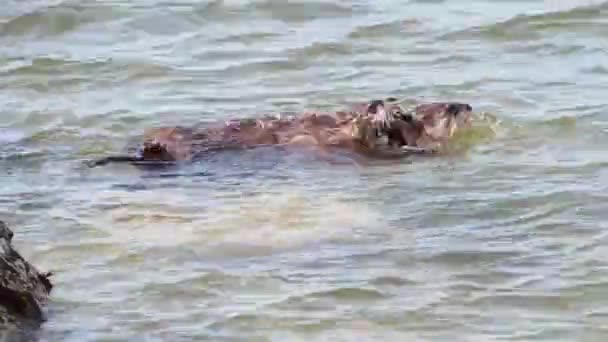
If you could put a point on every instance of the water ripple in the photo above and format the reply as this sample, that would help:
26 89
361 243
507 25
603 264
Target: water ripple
502 238
296 12
530 27
399 28
55 20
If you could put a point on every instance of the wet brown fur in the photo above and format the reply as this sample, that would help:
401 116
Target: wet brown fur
426 127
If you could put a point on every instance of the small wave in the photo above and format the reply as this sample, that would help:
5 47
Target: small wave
393 28
558 123
15 156
73 74
46 65
174 23
195 289
597 69
82 249
56 20
219 10
523 299
529 27
292 11
318 299
51 136
287 11
265 66
250 37
282 323
350 294
318 49
391 281
539 211
547 49
17 8
562 123
452 58
471 257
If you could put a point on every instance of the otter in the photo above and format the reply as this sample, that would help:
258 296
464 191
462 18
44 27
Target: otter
377 128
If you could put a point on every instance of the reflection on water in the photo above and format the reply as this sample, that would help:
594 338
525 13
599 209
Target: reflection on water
501 238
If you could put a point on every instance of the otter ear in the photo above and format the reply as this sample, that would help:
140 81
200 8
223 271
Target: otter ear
457 108
453 109
407 117
374 105
402 114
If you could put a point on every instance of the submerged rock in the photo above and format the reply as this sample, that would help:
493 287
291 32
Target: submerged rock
24 291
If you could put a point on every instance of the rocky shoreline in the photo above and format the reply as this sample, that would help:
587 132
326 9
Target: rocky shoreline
24 292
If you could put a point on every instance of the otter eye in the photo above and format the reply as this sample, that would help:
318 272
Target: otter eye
391 99
407 117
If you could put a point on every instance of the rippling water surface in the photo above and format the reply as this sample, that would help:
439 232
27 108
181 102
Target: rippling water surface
504 241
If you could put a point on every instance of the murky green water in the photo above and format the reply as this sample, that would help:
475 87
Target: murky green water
503 242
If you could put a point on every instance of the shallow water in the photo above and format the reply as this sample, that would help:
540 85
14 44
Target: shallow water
502 241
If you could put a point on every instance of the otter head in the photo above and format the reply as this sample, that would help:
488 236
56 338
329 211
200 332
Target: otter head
376 123
154 151
373 124
440 121
381 114
395 116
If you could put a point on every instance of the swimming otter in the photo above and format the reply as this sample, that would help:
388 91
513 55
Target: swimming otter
376 128
23 292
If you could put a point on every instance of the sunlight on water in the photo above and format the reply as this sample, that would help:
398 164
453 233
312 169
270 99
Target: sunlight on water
289 219
283 217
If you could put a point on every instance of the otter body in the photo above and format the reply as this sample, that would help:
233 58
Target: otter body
377 128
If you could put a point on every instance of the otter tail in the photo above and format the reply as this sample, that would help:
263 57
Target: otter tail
113 159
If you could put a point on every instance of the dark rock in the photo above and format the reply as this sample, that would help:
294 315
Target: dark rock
24 291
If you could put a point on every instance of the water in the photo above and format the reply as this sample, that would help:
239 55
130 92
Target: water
503 240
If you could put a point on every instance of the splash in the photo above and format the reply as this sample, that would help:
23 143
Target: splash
484 128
